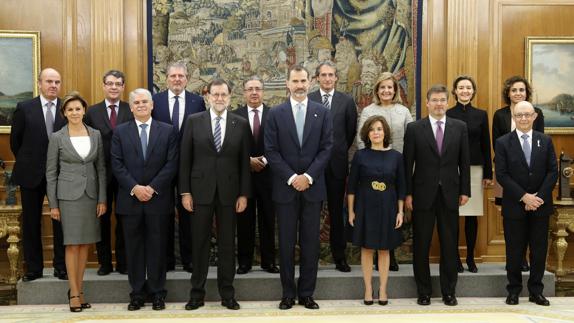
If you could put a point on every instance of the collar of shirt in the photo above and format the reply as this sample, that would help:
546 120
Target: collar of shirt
331 93
433 120
294 103
213 115
108 103
44 101
148 122
259 108
180 97
520 133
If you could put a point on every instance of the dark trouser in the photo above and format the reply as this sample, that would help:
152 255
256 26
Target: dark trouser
32 200
335 199
260 207
201 223
447 227
145 250
184 227
531 231
304 217
170 241
104 246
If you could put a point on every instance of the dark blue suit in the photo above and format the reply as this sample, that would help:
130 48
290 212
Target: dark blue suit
298 209
193 104
145 223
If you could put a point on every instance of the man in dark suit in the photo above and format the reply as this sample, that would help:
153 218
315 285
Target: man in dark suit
344 117
298 142
105 116
173 106
260 206
144 161
437 164
32 124
214 177
526 169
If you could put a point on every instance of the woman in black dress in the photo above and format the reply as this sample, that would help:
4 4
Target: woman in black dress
376 191
464 90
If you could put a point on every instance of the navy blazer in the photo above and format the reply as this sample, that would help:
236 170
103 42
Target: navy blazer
517 178
29 141
157 170
287 157
193 104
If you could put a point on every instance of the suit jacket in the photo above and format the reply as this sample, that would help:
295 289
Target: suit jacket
193 104
203 171
287 157
425 168
157 170
517 178
501 123
29 141
97 117
68 175
344 118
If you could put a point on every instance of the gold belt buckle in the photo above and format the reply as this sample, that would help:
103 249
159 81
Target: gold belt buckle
378 186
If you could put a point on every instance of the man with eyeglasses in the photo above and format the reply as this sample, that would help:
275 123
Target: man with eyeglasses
214 178
260 206
527 171
437 166
105 116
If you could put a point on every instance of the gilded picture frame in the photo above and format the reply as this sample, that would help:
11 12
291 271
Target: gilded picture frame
549 66
19 68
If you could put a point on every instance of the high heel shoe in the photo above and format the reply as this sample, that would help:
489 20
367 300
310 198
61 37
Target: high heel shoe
471 266
86 304
383 303
371 302
73 308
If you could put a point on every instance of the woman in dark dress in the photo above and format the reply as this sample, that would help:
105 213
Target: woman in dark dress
376 191
464 89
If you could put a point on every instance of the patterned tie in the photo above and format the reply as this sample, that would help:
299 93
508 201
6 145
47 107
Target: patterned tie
439 136
217 134
326 102
113 115
49 118
300 122
175 114
143 138
256 125
526 148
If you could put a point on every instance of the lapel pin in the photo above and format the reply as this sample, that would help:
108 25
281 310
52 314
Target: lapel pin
538 142
315 115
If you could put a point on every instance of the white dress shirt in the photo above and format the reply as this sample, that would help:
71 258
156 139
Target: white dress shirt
251 115
117 108
434 125
171 101
148 122
294 110
330 95
44 102
520 133
222 123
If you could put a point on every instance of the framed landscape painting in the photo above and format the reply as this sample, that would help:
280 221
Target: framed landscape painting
19 68
550 70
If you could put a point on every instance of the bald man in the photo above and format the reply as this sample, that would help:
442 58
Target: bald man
526 168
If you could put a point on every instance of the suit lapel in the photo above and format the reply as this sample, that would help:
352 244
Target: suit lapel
67 143
310 118
516 147
93 143
449 134
104 115
134 136
429 135
536 149
229 130
289 118
207 129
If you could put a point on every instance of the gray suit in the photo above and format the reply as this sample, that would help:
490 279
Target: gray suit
76 185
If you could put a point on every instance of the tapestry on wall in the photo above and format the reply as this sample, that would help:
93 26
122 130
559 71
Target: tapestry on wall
235 39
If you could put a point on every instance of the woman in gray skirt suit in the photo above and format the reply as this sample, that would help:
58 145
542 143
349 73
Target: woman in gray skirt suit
76 189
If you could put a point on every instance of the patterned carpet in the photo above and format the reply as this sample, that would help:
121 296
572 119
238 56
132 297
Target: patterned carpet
398 311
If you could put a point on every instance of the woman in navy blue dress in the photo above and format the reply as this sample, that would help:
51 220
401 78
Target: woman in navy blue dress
376 191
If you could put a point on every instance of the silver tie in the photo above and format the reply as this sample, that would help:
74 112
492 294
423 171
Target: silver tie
300 122
49 118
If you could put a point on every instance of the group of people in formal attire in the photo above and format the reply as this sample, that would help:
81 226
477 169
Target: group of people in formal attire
159 158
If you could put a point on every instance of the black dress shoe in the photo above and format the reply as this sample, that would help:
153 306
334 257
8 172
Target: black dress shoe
539 299
28 277
60 274
272 269
122 270
512 299
135 304
158 304
423 300
459 267
286 303
309 303
471 266
188 268
342 266
525 267
194 304
393 266
104 270
242 270
449 300
230 304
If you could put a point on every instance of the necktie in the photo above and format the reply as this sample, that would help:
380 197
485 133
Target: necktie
217 134
49 118
300 122
143 138
256 125
526 148
175 114
439 136
326 101
113 115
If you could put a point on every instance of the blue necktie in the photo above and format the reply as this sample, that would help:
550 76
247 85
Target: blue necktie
217 134
326 102
143 139
175 113
300 122
526 148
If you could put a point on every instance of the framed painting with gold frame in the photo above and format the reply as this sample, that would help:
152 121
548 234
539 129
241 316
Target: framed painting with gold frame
19 68
550 70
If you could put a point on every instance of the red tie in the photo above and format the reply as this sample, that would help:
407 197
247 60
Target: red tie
256 124
113 115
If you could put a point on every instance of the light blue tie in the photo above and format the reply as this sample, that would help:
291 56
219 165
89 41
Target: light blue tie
217 134
526 148
143 138
300 122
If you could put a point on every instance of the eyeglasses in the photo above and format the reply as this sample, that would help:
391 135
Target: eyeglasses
523 115
219 95
117 84
251 89
443 100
